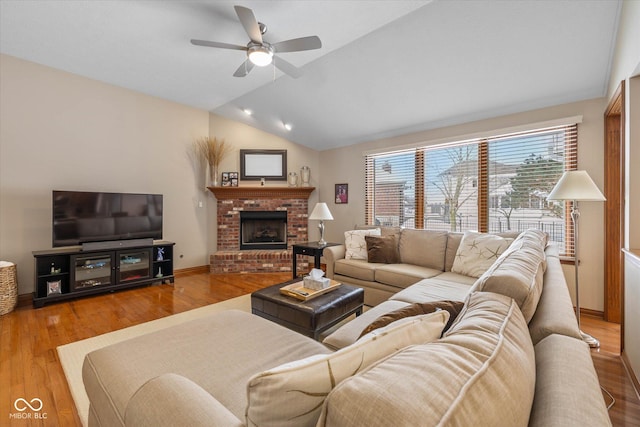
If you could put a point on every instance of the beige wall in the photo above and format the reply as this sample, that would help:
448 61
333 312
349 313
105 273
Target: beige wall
62 131
626 59
626 66
242 136
347 165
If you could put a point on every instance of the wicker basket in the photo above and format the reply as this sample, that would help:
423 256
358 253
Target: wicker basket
8 287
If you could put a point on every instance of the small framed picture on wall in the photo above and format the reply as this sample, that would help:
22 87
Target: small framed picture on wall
342 193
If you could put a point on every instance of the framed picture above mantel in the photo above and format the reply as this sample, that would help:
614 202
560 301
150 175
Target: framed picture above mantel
268 164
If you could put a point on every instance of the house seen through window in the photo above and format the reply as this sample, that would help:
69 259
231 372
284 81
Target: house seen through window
493 184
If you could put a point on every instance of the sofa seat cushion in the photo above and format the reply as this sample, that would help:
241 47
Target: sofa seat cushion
357 268
433 289
425 248
351 331
564 366
482 373
292 394
518 272
204 351
458 278
403 275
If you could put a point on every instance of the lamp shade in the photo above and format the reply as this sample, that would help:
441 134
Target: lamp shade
577 186
321 212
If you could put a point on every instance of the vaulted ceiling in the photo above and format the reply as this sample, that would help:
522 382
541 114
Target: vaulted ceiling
385 67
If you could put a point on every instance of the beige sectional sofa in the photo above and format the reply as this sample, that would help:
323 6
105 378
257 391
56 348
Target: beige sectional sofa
513 357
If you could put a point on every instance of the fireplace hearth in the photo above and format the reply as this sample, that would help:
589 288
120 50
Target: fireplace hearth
263 230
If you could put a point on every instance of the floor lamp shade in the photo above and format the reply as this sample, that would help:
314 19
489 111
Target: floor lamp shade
321 213
577 186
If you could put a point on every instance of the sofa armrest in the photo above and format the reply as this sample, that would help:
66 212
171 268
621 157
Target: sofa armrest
331 254
567 387
171 400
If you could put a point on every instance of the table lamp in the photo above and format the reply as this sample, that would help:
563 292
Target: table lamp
577 186
321 213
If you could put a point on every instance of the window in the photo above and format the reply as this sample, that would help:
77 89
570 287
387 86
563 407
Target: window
492 184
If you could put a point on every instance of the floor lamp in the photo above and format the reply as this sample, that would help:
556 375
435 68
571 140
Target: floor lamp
577 186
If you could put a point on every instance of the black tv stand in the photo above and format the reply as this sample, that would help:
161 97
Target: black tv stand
65 273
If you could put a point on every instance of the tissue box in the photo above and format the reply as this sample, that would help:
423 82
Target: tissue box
316 284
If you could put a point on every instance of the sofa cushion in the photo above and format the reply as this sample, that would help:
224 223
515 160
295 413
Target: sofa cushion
425 248
554 314
356 268
383 249
356 246
518 272
349 333
477 252
403 275
567 387
433 289
453 242
292 394
416 309
482 373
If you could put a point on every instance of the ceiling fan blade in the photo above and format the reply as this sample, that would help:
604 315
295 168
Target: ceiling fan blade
249 22
217 44
287 67
296 45
243 69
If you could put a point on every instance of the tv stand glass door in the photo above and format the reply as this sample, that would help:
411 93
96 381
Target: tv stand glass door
92 270
134 264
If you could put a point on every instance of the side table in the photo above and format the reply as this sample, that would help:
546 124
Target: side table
313 249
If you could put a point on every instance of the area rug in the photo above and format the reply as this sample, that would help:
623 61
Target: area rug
72 355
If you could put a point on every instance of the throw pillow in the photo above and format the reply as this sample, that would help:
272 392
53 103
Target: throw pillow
292 394
477 252
355 245
382 249
416 309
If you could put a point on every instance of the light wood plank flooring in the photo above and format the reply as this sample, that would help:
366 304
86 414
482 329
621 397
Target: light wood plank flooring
29 365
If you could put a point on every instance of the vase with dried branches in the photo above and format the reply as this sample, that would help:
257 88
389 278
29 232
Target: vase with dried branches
212 151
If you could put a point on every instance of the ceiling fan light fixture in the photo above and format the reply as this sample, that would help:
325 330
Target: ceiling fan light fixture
260 55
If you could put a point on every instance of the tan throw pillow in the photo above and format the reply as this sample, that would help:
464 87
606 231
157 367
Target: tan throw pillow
477 252
382 249
355 245
416 309
292 394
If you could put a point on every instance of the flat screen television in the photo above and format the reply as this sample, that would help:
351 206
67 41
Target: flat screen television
82 216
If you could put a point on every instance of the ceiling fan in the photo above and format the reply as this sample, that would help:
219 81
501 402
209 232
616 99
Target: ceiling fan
259 52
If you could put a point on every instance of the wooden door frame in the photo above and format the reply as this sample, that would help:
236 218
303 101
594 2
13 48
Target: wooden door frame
614 172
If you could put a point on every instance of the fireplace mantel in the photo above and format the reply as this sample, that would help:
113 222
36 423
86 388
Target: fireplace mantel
229 193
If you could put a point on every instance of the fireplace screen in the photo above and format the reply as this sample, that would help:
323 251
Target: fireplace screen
263 230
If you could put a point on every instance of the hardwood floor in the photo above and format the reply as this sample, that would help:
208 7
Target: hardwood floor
29 365
611 371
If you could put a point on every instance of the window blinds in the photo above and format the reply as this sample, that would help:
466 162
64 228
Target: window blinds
493 184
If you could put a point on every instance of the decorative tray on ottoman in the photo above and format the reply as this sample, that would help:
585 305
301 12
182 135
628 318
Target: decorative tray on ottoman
298 291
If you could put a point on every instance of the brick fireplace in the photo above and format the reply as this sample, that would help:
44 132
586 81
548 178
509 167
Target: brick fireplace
232 201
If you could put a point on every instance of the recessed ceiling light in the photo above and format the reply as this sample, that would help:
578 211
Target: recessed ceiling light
247 111
288 126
